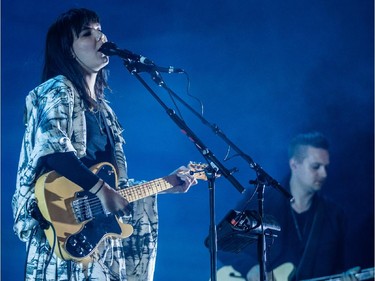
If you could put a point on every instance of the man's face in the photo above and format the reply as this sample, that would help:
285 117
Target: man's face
311 173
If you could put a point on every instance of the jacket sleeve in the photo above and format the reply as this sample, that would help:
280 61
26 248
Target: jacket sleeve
48 128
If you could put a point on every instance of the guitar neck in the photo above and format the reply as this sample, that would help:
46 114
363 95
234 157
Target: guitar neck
147 189
363 275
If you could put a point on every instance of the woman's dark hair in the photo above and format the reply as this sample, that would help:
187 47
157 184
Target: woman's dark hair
59 60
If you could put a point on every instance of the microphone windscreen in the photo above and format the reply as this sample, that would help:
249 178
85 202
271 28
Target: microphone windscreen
108 48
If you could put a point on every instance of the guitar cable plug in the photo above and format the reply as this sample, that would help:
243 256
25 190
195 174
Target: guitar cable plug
37 215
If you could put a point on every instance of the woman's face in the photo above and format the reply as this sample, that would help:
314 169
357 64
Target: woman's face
85 48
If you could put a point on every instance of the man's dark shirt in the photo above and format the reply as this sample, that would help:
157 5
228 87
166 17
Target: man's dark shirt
290 243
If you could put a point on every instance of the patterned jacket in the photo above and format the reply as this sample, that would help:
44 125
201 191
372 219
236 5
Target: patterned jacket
55 122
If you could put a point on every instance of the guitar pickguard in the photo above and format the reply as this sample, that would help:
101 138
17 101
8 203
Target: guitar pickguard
101 224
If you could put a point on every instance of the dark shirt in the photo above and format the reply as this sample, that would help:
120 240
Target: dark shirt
98 145
98 150
290 243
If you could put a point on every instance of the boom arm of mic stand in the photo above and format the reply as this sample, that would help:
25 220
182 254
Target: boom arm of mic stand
207 154
258 169
269 181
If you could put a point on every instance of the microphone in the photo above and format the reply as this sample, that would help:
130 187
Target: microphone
140 62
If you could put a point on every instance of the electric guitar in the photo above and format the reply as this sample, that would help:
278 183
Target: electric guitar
284 271
78 221
281 273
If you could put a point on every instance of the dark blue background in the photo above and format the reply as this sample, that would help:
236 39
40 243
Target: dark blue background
264 70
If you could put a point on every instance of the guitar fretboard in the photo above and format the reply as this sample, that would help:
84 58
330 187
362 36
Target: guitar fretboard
363 275
144 190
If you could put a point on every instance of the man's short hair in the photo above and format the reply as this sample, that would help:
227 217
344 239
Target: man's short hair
298 145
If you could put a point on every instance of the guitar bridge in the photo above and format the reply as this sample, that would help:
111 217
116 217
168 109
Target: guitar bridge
87 206
82 209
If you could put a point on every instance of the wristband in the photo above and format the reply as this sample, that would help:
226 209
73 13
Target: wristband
99 188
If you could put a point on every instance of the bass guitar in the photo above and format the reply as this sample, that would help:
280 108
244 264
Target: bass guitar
78 222
281 273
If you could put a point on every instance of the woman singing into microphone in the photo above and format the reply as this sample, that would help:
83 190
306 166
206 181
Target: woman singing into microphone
69 128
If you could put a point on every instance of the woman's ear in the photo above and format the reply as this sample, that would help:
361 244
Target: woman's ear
73 53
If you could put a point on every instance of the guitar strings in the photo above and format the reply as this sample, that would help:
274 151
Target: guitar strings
95 207
92 206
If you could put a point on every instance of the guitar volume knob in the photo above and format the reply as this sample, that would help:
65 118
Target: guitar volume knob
73 242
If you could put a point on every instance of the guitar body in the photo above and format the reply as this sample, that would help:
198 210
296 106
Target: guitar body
228 273
281 273
79 222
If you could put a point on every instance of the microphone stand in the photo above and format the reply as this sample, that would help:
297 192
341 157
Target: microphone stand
263 178
261 245
215 165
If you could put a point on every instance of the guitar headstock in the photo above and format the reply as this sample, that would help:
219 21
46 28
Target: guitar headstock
198 170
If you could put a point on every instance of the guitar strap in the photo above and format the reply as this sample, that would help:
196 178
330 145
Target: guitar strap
309 253
110 137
